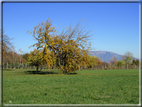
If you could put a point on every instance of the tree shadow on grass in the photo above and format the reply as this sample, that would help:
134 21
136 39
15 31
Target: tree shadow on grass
47 72
40 72
72 73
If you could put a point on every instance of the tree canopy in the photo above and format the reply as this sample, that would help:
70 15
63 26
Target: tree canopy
35 58
70 47
127 58
6 47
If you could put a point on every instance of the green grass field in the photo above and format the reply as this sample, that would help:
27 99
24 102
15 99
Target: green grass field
85 87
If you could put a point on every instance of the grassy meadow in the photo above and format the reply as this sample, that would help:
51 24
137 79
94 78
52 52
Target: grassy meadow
22 86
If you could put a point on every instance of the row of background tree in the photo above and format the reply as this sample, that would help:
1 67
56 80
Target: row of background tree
16 60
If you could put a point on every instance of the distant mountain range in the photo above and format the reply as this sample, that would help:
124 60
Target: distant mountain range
105 55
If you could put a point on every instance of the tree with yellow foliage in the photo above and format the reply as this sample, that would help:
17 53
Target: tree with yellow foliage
35 58
69 48
98 62
48 57
92 61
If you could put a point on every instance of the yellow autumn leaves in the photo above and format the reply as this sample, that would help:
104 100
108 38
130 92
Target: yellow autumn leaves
66 50
35 58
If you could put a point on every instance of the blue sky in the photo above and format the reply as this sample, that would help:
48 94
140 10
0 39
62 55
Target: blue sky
114 26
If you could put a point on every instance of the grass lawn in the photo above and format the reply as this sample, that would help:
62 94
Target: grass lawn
85 87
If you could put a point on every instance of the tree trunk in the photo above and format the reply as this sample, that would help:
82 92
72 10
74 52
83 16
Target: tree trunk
37 68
